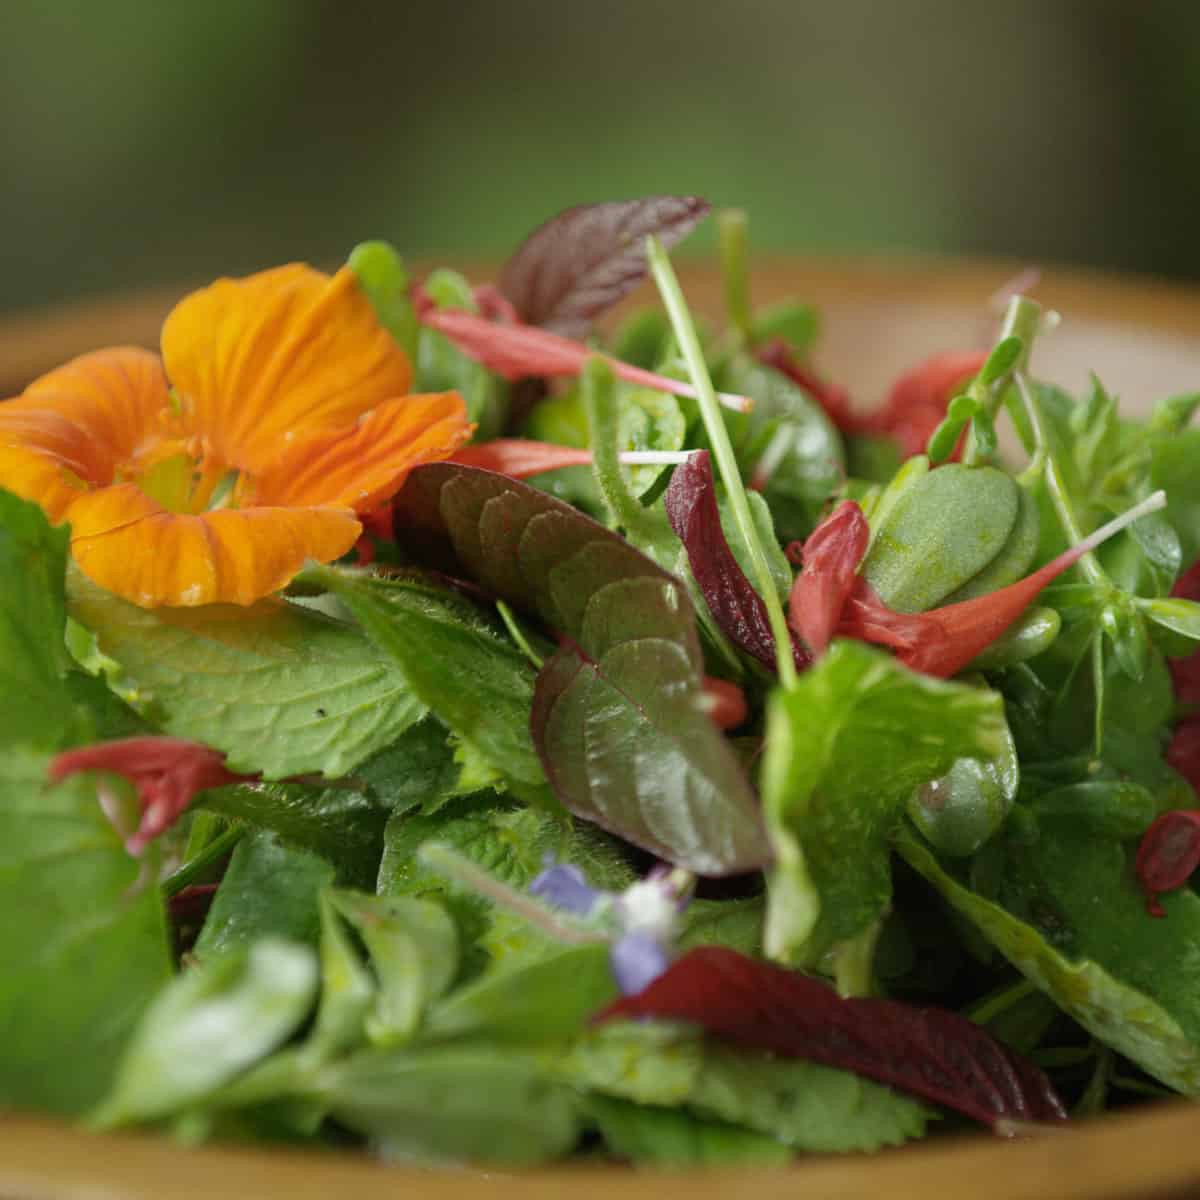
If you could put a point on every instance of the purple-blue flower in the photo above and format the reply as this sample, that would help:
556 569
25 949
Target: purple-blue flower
642 920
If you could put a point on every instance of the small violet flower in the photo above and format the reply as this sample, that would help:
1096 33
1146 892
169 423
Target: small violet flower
643 920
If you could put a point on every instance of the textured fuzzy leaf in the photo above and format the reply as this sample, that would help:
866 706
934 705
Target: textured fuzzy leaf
280 689
584 260
931 1053
691 503
626 680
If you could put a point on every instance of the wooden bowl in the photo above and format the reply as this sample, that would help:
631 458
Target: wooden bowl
1143 339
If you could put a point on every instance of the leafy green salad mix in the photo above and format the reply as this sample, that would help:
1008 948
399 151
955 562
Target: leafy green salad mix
608 739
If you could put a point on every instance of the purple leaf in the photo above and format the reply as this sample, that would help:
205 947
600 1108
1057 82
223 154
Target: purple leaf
691 502
931 1053
584 260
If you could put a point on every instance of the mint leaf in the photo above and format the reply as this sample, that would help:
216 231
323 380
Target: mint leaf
457 661
846 748
281 690
208 1025
1157 1029
83 944
803 1104
268 891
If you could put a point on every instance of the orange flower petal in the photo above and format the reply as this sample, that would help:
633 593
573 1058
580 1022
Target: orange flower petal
287 353
123 541
365 467
78 424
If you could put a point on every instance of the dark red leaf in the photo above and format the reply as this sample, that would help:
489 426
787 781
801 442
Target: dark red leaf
829 560
1183 753
1167 855
931 1053
691 502
584 260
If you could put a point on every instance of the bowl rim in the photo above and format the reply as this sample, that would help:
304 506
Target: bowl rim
1152 1151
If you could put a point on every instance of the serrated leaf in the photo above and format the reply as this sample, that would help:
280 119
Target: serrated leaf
935 1054
83 945
458 661
280 689
803 1104
846 747
584 260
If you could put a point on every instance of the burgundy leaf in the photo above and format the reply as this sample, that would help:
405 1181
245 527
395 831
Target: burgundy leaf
691 502
584 260
931 1053
1167 855
829 560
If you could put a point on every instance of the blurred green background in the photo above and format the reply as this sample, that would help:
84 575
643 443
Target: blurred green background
161 141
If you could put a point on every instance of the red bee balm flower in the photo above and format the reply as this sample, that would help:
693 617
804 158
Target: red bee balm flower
167 773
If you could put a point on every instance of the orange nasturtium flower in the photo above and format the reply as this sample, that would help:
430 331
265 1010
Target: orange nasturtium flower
278 411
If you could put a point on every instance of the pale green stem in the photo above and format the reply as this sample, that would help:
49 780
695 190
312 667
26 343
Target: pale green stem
1094 572
518 634
852 961
718 436
731 234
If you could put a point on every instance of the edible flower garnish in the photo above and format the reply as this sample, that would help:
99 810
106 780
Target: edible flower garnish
278 411
167 772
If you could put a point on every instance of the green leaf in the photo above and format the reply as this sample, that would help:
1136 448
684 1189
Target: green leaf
381 275
439 640
1173 468
454 1103
806 1105
39 706
280 689
1179 616
808 459
846 748
798 324
1126 978
211 1023
348 989
83 944
268 890
413 948
669 1137
551 997
942 532
441 367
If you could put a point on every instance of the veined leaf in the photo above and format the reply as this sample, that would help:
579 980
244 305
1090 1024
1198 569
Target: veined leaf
280 689
845 750
584 260
459 663
625 682
1130 981
803 1104
83 945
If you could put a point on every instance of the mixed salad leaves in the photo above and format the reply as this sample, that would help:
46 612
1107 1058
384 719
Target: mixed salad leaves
678 776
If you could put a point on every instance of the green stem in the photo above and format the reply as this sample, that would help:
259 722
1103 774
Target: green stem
722 448
731 235
1098 689
518 634
852 961
993 1006
1093 571
1021 320
195 867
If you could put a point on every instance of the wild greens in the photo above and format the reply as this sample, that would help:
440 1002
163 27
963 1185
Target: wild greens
759 711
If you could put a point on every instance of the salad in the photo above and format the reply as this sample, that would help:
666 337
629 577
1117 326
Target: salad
452 719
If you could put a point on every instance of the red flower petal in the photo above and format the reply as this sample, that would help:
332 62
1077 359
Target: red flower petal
830 559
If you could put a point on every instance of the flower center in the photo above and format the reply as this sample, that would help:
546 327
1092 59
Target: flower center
182 483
